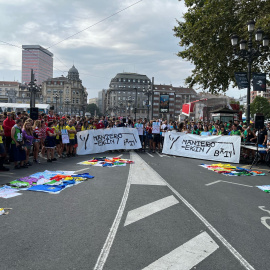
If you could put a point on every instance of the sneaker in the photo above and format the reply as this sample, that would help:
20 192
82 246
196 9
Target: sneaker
54 159
28 163
4 169
17 167
49 160
24 166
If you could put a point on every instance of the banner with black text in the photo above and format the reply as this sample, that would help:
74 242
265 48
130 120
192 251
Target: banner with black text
101 140
217 148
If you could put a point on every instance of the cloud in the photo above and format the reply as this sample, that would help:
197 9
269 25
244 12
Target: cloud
139 39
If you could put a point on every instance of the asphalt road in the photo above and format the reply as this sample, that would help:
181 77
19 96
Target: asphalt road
159 213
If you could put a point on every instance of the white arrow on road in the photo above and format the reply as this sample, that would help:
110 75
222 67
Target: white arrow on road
188 255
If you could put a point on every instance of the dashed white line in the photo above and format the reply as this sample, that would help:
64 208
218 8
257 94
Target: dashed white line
218 181
188 255
150 209
149 154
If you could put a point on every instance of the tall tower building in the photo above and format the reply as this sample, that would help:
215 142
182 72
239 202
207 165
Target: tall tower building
40 60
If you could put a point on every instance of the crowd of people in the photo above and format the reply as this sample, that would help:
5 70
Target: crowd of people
22 138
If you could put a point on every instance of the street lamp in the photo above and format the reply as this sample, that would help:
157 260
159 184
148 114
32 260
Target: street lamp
129 104
56 99
33 88
148 93
135 109
249 53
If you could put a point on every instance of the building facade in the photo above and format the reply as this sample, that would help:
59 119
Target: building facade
40 60
93 101
66 94
9 91
265 94
124 90
168 100
101 100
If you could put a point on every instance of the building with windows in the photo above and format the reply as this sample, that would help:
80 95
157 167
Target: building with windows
266 94
40 60
9 91
124 90
101 100
168 100
66 94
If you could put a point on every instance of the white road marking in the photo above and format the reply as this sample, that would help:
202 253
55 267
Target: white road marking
234 252
188 255
141 174
150 209
218 181
212 183
263 219
120 156
149 154
110 238
160 155
82 170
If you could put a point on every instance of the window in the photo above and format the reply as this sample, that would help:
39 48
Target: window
73 100
73 93
49 90
77 100
48 100
77 93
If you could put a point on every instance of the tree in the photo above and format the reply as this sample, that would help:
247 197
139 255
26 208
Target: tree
93 109
205 37
260 105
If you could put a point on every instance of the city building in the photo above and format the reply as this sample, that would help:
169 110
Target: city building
9 91
93 101
265 94
66 94
174 98
40 60
101 100
120 98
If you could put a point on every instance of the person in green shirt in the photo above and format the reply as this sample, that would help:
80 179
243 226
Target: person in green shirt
234 131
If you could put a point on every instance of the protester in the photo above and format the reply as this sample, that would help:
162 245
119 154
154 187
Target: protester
17 150
50 142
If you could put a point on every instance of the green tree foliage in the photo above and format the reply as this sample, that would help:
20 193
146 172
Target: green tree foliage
205 34
93 109
260 105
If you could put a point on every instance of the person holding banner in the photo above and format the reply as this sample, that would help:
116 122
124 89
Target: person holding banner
71 133
156 135
62 141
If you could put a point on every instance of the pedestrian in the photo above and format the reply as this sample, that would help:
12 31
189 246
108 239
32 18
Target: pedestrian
2 148
17 150
50 142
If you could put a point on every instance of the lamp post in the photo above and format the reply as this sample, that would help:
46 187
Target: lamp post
250 53
148 93
129 104
33 88
56 99
135 109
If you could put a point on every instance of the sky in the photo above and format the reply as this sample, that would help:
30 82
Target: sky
100 37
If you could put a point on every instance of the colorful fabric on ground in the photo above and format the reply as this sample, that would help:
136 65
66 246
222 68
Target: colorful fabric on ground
47 181
265 188
107 162
229 170
19 184
47 188
8 192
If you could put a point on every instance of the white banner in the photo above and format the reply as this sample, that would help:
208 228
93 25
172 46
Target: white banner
217 148
101 140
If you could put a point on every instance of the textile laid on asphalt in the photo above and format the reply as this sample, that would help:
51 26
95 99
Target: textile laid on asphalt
107 162
8 192
265 188
48 181
229 170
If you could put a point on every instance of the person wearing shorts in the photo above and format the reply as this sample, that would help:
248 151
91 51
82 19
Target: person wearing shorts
71 133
